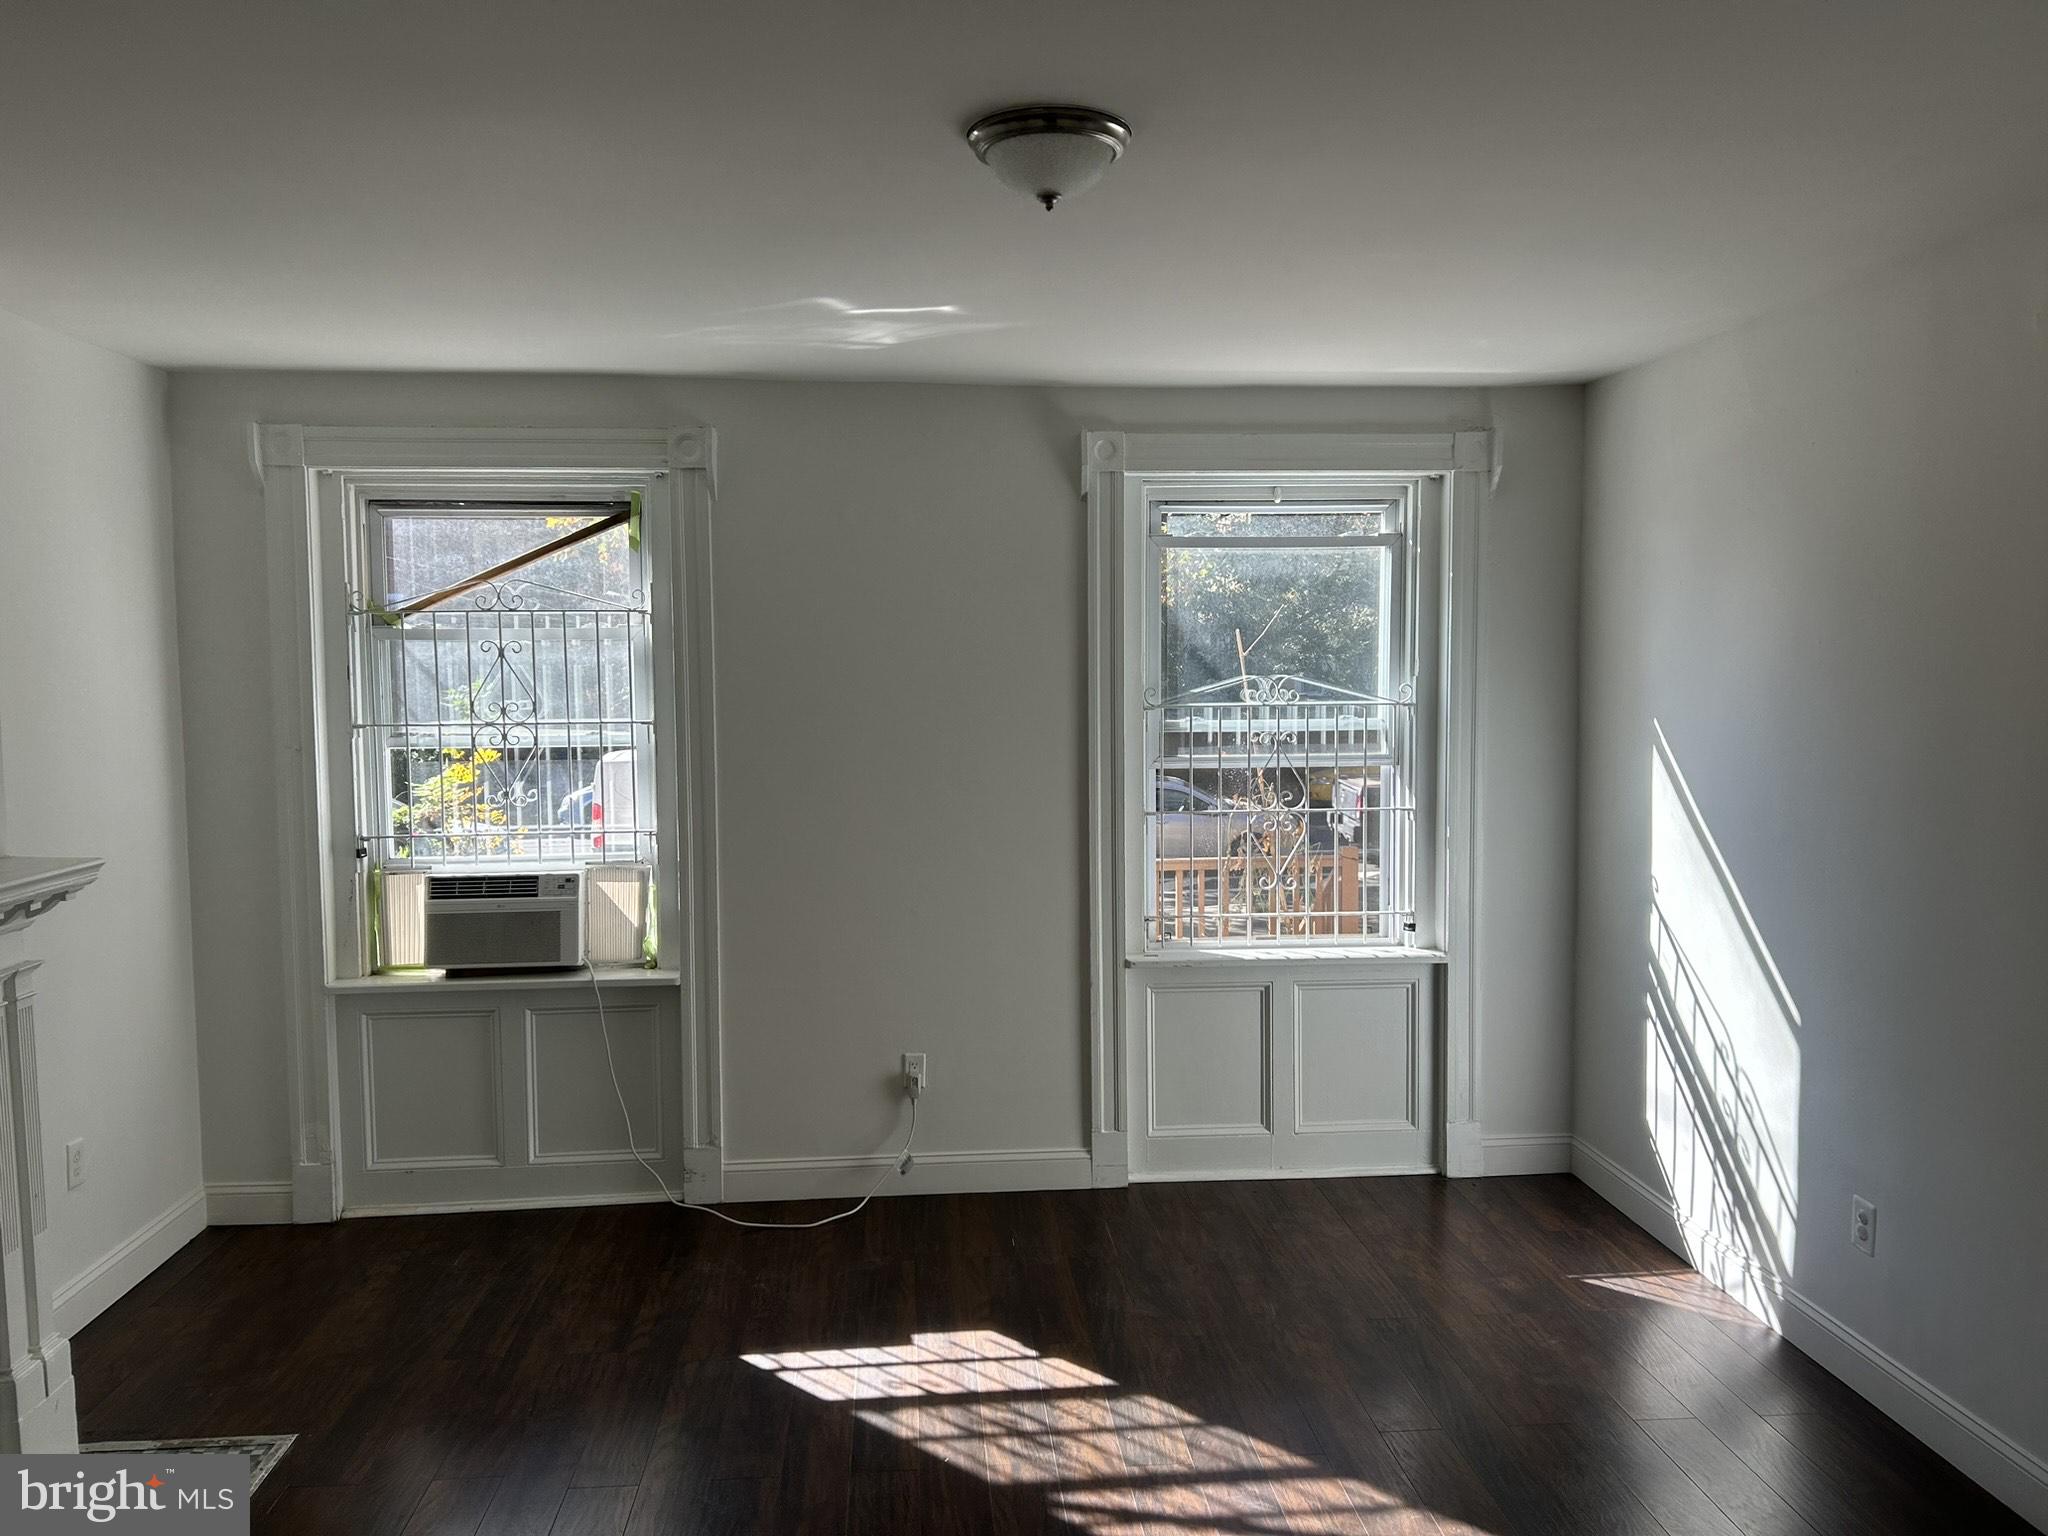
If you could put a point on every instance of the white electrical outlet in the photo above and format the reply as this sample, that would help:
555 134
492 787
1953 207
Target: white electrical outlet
74 1163
1863 1224
914 1078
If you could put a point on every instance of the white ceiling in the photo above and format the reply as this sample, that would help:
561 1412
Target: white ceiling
1363 192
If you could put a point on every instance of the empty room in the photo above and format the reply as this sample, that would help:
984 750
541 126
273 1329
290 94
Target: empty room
1153 766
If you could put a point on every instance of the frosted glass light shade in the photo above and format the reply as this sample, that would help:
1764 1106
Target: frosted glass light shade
1049 165
1049 153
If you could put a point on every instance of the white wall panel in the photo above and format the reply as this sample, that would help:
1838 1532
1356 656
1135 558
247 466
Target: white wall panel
1354 1056
1206 1055
575 1113
481 1097
430 1089
1249 1067
1357 1055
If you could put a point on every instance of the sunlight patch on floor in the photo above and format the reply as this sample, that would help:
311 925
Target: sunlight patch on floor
1690 1292
1111 1461
930 1365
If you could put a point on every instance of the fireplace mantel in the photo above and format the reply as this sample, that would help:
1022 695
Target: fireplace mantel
29 887
38 1400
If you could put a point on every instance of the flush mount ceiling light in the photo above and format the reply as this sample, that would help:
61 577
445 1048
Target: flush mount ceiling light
1049 152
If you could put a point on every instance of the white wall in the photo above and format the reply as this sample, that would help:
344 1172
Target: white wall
91 757
1816 558
1528 778
910 559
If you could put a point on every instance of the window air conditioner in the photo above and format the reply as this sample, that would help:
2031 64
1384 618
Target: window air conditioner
525 920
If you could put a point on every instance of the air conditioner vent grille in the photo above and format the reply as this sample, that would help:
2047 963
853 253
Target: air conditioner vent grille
483 887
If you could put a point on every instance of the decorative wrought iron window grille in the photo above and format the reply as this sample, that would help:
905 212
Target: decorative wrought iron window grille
512 722
1278 812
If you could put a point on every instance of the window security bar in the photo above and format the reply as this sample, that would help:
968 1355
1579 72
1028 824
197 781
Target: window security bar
505 731
1278 815
510 845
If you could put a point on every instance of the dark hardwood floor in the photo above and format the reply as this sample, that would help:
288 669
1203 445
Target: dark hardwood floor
1385 1355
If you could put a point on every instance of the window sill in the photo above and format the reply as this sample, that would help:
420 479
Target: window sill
1321 954
536 981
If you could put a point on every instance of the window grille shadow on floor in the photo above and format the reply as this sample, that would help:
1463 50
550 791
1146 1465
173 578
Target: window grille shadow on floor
1111 1462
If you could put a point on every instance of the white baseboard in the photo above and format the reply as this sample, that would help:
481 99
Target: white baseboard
1750 1283
1648 1208
1539 1152
931 1173
1980 1450
121 1268
792 1178
1233 1175
516 1203
266 1204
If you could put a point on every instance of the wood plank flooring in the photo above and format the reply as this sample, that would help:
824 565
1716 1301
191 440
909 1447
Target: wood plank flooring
1407 1356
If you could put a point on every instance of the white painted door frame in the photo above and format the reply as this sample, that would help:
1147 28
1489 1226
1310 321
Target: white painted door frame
1115 466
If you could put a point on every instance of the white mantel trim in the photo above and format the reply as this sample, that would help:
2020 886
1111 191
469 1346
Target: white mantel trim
29 887
38 1400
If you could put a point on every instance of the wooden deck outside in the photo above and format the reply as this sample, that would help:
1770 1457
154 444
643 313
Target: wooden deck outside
1326 897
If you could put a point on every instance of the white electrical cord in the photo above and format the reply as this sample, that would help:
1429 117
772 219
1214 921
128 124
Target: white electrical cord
901 1164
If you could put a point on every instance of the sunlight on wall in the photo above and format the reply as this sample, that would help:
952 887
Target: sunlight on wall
1118 1463
1721 1079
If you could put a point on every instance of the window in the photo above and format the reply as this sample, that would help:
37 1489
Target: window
1282 754
1282 735
503 701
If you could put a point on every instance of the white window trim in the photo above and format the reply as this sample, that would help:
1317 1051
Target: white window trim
1114 462
311 476
1144 495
